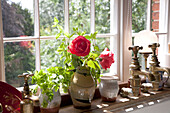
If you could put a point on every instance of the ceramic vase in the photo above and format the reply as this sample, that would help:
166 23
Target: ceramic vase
109 88
82 88
53 106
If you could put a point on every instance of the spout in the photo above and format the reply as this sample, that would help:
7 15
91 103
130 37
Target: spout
147 74
164 69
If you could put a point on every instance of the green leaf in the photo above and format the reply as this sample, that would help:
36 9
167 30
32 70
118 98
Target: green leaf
97 64
67 35
58 35
59 50
91 64
72 35
93 54
96 48
60 27
56 20
88 37
82 33
63 39
74 29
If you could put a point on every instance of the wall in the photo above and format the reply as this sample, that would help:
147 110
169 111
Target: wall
155 15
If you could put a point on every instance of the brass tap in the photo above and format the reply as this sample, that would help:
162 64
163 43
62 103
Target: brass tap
26 91
155 68
135 71
26 104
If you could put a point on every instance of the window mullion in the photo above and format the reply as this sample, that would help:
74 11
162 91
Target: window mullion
37 34
66 16
92 16
168 29
149 9
114 40
2 64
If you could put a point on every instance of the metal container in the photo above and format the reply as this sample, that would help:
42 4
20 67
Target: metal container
26 106
109 88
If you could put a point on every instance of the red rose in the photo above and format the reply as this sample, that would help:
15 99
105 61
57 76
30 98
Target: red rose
80 46
26 44
107 58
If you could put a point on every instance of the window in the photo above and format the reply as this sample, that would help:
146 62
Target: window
152 15
29 39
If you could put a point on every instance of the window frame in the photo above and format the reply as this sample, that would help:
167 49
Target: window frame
116 36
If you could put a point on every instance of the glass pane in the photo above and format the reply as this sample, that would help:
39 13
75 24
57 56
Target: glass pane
79 11
48 10
19 58
17 18
102 13
139 15
103 43
49 54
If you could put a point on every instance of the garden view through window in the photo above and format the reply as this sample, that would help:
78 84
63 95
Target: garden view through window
18 28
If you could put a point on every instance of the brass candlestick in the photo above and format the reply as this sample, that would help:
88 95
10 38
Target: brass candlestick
145 55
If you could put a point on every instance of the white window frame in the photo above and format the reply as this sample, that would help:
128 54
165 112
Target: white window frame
118 46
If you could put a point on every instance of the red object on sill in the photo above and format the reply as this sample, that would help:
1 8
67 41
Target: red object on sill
10 98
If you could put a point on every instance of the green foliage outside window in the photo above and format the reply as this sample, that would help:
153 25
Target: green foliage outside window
19 56
139 15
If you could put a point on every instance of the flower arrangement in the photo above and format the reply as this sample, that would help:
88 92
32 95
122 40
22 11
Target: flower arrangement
81 52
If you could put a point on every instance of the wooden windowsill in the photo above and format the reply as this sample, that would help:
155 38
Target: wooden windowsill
99 107
66 99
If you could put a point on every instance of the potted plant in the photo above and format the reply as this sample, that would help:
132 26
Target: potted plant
49 83
81 68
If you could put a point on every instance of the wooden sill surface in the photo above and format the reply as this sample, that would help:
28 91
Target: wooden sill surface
115 107
66 99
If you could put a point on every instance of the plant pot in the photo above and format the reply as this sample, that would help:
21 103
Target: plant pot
82 88
53 106
109 88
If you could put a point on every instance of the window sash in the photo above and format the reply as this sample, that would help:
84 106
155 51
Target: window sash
114 25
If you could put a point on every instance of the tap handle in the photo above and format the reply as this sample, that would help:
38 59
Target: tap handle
26 91
135 50
153 47
26 76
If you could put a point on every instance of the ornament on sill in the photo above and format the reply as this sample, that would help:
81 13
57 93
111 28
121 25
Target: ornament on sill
109 88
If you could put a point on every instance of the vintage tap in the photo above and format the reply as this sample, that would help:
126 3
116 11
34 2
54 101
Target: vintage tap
135 71
155 68
26 104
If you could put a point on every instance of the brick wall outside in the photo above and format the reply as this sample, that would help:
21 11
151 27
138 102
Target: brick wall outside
155 15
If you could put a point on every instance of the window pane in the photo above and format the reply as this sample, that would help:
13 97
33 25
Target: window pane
102 13
49 54
79 11
103 43
139 15
17 18
48 10
19 58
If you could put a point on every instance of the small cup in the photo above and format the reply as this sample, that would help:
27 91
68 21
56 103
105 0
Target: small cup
109 88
